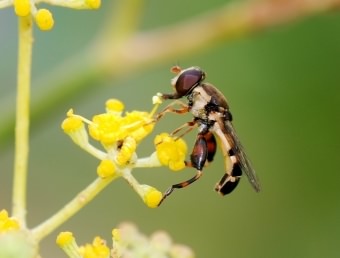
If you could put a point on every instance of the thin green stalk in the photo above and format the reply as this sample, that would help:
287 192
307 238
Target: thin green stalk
22 119
77 203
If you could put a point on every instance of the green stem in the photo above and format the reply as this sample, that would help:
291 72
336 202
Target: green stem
77 203
22 119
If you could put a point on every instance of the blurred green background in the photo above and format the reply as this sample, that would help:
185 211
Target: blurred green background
283 89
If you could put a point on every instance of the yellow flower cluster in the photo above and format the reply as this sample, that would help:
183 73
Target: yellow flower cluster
127 241
98 248
7 223
120 133
43 17
112 129
109 128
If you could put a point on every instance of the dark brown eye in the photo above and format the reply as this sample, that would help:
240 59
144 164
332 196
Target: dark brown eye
188 80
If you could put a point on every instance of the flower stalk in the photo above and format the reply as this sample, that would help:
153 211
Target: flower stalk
22 119
76 204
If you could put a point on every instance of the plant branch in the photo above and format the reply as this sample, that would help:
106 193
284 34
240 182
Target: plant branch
77 203
22 119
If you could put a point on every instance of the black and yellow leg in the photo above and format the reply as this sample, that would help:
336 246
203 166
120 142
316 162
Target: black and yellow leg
198 158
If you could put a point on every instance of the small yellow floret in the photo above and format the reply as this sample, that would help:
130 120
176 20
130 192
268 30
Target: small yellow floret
94 4
114 105
116 234
171 152
142 132
65 238
44 19
128 148
7 223
106 128
97 249
22 7
106 168
152 197
3 215
138 124
72 124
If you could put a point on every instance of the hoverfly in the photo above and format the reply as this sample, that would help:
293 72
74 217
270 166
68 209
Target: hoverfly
213 119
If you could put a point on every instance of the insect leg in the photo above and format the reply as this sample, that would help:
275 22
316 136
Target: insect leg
198 158
191 125
170 109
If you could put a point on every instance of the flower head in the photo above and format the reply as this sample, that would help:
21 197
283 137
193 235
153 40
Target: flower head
128 241
152 196
43 17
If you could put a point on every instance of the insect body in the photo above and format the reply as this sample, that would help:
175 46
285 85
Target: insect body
213 119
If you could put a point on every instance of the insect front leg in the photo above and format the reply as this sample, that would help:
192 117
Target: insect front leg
183 108
198 158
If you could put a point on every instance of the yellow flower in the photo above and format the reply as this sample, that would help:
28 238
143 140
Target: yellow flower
126 151
106 128
93 4
115 106
98 249
7 223
71 123
22 7
106 168
138 124
65 238
116 234
152 196
171 152
44 19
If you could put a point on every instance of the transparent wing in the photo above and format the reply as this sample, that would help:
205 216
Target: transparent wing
241 156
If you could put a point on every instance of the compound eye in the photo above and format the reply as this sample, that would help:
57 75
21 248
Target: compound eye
188 80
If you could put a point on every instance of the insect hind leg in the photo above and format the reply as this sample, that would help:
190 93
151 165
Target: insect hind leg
198 158
180 185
